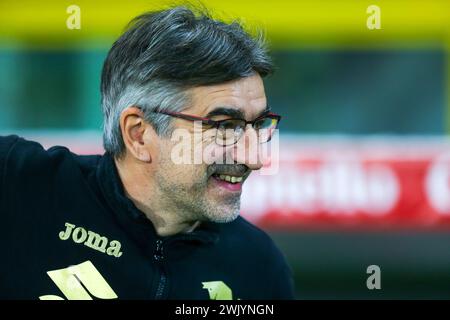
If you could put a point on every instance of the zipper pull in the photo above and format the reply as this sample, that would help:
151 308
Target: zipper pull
159 251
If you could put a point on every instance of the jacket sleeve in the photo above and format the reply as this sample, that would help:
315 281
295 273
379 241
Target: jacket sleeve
7 143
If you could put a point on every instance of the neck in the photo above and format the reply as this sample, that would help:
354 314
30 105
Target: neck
140 189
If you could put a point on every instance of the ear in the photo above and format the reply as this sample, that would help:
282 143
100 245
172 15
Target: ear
135 133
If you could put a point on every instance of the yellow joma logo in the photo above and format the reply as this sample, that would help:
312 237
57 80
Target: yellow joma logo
218 290
84 281
91 239
80 282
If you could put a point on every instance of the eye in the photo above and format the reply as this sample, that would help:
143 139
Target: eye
232 124
229 131
264 123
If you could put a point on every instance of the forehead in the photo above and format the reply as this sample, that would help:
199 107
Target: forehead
245 94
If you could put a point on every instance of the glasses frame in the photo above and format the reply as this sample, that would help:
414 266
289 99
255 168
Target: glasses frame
216 123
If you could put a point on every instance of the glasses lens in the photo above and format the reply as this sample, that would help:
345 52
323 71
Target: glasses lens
265 128
265 123
230 131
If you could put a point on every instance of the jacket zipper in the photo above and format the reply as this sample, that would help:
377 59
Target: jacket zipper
159 257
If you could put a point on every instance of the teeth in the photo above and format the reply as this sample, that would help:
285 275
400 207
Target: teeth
230 178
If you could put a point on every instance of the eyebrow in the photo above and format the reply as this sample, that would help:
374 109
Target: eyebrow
233 112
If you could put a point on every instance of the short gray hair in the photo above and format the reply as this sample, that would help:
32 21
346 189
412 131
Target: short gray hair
163 53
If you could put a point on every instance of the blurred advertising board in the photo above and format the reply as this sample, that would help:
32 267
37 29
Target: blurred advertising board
345 182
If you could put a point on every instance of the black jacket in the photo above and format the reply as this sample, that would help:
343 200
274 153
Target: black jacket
68 232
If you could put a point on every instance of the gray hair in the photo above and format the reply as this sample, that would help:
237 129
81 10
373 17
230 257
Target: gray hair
163 53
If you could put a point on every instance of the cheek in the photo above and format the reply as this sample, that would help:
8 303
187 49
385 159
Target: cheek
185 174
162 152
214 153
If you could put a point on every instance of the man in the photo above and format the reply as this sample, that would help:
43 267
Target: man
134 223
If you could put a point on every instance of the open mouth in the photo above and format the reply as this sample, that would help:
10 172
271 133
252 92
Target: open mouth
228 182
228 178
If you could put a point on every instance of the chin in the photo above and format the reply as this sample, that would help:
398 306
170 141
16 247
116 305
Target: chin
223 216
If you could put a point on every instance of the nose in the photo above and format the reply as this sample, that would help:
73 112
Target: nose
247 150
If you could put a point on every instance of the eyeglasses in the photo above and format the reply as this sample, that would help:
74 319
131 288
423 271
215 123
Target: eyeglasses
229 131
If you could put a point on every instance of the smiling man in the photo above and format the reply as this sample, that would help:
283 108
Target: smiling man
134 223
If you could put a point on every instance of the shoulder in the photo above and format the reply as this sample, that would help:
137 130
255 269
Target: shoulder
10 145
23 151
28 163
6 143
19 153
19 157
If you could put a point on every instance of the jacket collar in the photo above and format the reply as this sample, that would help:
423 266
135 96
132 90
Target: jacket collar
134 221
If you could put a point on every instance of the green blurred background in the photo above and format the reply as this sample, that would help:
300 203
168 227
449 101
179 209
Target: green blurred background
335 76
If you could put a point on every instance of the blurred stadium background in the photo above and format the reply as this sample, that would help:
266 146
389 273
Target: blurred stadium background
364 174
